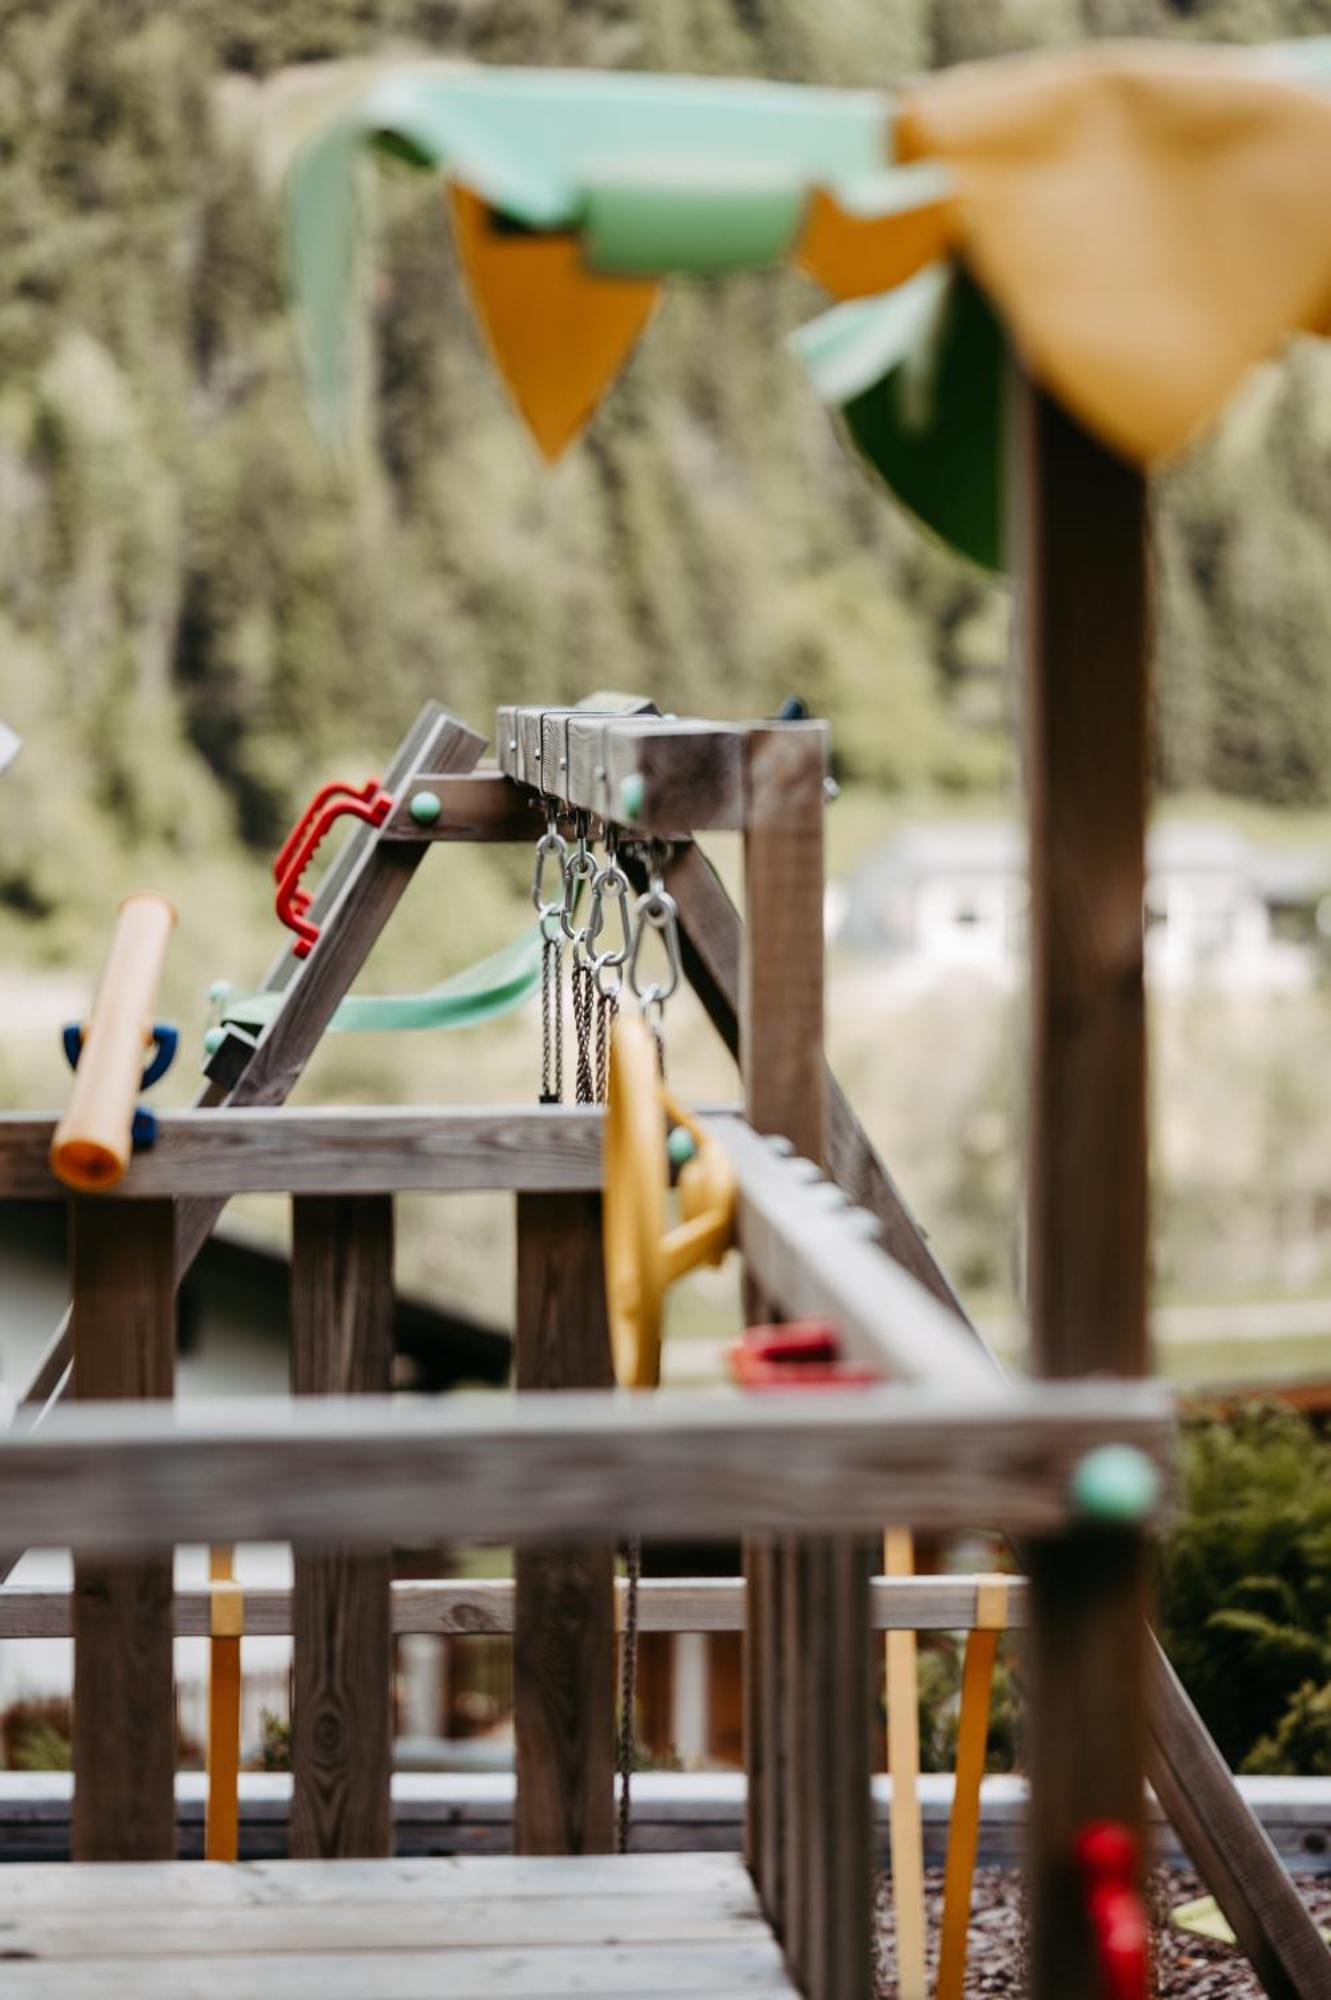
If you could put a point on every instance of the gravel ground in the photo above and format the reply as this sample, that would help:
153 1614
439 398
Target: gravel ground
1184 1966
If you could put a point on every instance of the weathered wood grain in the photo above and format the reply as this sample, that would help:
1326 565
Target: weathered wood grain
538 1972
341 1724
1083 624
335 1149
564 1618
465 1927
817 1258
475 806
358 1469
684 774
124 1752
458 1608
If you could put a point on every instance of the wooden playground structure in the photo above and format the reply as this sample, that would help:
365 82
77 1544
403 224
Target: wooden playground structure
901 1422
570 1465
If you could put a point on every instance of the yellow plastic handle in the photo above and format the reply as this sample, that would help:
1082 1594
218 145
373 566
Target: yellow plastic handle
641 1257
92 1143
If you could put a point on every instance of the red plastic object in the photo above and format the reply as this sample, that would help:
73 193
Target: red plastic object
369 802
1107 1858
806 1354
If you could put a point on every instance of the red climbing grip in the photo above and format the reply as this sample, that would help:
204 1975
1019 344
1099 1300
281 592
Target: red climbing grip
1107 1859
369 802
805 1354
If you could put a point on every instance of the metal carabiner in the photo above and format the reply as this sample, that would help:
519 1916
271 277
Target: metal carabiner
551 846
656 912
579 867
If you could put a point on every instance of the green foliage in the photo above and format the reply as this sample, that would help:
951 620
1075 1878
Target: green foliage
1245 1583
37 1735
1302 1741
204 616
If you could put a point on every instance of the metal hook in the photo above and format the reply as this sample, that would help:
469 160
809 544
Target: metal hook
579 867
550 846
657 912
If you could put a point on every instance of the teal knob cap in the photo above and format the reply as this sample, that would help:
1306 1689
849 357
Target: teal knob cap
425 808
1116 1484
219 990
213 1041
680 1146
631 795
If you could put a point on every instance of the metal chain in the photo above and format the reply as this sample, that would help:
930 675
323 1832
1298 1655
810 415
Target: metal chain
552 1021
551 847
626 1747
607 1012
584 995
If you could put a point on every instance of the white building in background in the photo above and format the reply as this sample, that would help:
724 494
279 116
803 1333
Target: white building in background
948 899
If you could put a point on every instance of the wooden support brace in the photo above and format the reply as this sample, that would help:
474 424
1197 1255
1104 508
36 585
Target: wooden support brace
906 1830
564 1592
124 1333
341 1737
963 1834
227 1621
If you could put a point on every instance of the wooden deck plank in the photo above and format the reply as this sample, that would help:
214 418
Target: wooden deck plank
421 1924
648 1972
636 1926
44 1886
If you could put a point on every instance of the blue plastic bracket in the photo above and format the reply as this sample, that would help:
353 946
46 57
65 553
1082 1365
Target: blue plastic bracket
165 1042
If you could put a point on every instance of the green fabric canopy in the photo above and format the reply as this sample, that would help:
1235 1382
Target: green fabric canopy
647 175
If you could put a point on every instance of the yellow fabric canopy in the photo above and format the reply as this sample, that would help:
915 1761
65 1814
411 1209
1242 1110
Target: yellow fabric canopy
1148 222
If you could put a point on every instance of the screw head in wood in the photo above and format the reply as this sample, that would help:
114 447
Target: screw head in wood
1116 1485
425 808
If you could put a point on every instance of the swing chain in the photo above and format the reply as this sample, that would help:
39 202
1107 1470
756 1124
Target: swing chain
551 847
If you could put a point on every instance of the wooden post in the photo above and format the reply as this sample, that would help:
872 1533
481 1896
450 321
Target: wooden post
1083 609
124 1333
564 1594
807 1661
341 1736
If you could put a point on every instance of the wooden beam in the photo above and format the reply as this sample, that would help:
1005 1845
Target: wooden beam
815 1257
359 1469
341 1724
564 1619
335 1149
660 775
477 806
124 1328
461 1608
1083 622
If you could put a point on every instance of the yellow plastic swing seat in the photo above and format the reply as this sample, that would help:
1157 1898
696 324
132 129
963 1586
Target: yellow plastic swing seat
643 1257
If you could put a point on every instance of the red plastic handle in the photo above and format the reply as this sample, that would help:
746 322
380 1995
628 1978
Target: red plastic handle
1107 1858
805 1354
369 802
